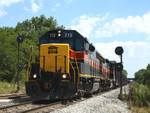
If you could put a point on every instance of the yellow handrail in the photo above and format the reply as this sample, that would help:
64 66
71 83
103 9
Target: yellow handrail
73 70
29 63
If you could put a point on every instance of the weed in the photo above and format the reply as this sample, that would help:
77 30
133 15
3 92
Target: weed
6 88
139 98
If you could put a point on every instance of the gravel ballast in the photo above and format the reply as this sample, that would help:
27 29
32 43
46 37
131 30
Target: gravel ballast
105 103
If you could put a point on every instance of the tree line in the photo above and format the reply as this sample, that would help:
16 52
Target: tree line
31 30
143 76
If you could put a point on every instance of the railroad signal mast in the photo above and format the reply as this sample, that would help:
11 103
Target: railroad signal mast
119 51
19 65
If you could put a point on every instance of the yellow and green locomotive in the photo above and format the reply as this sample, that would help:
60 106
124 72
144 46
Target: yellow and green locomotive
68 65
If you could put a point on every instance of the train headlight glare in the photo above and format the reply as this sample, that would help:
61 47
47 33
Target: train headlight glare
34 76
59 34
59 31
64 76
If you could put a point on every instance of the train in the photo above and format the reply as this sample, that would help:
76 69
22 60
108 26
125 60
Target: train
68 65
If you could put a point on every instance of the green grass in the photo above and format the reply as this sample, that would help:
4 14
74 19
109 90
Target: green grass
7 88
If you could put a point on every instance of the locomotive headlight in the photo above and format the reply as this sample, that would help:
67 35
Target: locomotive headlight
59 31
34 76
59 34
64 76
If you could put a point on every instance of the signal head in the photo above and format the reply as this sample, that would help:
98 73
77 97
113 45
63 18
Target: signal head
119 50
20 39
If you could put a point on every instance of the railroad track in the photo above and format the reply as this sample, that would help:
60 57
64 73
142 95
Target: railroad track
29 107
16 107
36 106
44 108
13 96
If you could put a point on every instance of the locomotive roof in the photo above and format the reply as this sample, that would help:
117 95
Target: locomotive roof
61 34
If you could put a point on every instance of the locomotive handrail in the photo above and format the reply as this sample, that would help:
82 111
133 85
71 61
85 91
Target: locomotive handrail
44 57
77 68
64 66
73 70
29 63
64 62
28 74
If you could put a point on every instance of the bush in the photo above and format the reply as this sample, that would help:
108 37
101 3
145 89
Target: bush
139 95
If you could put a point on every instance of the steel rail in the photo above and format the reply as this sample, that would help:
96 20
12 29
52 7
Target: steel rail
8 108
42 107
11 96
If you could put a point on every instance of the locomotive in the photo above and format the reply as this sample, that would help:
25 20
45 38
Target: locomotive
68 65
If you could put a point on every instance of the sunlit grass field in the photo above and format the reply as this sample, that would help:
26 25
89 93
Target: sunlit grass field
7 88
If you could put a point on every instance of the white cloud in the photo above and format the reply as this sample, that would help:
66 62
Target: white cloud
99 27
136 54
6 3
85 24
53 9
125 25
57 5
68 1
132 49
26 9
2 12
36 7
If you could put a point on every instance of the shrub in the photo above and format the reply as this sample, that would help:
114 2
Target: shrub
139 95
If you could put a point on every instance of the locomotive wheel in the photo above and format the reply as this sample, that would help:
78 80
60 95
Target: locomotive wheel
100 89
88 95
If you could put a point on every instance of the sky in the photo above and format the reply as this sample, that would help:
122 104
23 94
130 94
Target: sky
106 23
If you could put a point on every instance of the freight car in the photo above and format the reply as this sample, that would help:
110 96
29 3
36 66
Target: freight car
68 65
124 79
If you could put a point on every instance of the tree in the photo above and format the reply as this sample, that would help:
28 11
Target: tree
148 67
7 53
139 76
146 80
124 72
31 30
143 76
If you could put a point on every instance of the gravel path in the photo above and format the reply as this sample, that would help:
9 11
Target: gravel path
105 103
